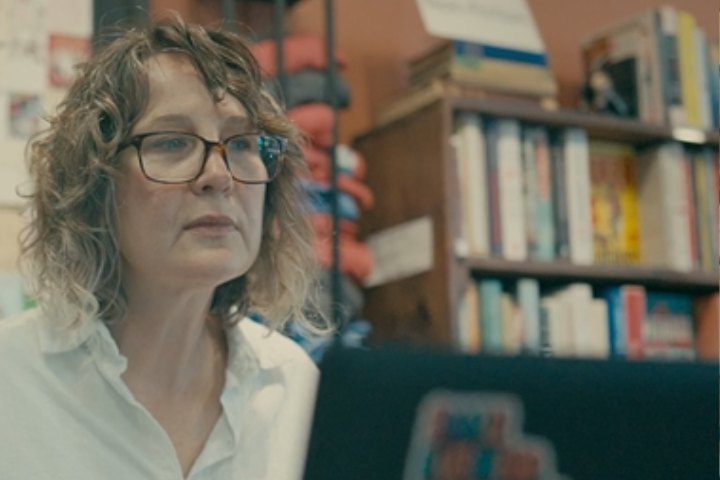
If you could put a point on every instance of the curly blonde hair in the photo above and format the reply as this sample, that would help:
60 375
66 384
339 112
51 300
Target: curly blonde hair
69 248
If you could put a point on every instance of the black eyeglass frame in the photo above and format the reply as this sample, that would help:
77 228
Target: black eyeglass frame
136 141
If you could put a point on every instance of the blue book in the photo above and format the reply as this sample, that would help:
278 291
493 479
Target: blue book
491 315
469 51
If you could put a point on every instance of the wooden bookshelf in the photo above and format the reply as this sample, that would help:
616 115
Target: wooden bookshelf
598 275
413 173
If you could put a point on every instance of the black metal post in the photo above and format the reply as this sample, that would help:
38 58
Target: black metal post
332 90
279 34
228 15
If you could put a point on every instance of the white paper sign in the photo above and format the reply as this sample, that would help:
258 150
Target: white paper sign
401 251
503 23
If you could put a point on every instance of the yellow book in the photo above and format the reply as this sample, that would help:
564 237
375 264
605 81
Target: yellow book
688 67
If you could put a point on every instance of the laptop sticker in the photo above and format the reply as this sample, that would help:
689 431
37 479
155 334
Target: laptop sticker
472 436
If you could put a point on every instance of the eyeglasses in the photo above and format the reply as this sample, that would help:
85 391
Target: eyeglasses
172 157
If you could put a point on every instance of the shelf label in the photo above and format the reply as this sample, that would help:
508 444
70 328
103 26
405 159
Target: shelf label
401 251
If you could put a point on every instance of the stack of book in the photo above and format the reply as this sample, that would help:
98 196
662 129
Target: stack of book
662 65
487 67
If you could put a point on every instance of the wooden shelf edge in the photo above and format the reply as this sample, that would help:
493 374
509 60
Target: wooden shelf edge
606 126
598 274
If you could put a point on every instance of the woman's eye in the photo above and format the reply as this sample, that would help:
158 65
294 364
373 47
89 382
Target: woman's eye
240 144
170 144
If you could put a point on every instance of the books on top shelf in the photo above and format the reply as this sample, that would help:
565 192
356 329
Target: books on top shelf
661 64
528 192
490 67
579 321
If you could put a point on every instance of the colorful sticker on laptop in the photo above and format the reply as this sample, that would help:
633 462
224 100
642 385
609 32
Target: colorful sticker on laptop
472 436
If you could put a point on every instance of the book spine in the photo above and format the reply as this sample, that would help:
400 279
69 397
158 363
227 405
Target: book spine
493 191
481 52
530 187
691 215
511 325
703 87
676 209
703 220
577 184
473 180
711 175
713 69
559 199
688 70
634 306
578 297
528 298
667 19
544 199
510 183
598 329
616 322
491 332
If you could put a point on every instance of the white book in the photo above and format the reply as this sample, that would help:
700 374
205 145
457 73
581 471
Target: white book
512 327
510 187
577 186
577 298
664 208
598 328
559 328
528 298
472 177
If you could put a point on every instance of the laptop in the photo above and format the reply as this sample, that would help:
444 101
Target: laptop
391 414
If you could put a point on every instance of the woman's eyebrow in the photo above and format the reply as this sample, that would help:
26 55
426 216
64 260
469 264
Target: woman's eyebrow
171 121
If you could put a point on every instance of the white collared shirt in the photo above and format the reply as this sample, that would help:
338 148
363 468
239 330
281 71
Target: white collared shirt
66 414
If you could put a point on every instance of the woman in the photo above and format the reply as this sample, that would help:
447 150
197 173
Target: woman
165 208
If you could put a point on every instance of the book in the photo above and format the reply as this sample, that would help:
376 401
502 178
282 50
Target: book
486 66
628 52
512 325
668 327
688 70
626 307
663 207
598 330
559 198
527 293
537 191
616 238
467 333
507 148
472 178
491 315
577 187
669 57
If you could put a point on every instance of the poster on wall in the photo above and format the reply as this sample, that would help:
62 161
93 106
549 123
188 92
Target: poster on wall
40 43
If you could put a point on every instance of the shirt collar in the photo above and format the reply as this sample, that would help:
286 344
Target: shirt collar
249 341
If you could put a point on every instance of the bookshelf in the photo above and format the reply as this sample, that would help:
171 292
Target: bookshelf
412 168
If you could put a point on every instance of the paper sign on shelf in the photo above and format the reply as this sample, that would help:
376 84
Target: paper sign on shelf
401 251
503 23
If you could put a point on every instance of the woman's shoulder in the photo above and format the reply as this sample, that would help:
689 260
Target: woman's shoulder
20 339
274 349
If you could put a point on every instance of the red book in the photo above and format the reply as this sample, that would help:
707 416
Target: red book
635 307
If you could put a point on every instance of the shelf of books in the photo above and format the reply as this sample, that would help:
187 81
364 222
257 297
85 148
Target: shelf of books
585 233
